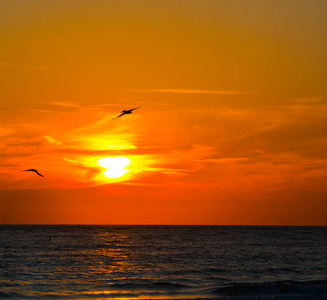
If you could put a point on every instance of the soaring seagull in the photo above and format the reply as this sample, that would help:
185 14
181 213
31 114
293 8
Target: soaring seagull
126 112
33 170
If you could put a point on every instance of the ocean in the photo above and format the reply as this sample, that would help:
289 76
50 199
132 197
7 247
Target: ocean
162 262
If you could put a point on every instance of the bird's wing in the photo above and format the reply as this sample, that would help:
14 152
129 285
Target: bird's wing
119 115
33 170
38 173
135 108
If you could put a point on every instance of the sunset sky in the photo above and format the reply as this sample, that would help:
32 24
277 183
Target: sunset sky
232 127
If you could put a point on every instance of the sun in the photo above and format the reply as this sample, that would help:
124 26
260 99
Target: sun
115 166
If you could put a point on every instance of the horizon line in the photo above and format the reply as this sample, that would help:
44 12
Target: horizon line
161 225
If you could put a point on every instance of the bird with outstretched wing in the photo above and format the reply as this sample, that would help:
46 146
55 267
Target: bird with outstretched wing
33 170
126 112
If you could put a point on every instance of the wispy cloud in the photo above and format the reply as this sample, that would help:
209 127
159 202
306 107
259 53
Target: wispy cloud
190 91
310 100
23 66
6 131
227 160
64 103
52 140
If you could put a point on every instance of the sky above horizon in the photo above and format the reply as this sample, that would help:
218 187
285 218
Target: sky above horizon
231 128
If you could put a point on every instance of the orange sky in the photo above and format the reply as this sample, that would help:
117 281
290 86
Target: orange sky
232 125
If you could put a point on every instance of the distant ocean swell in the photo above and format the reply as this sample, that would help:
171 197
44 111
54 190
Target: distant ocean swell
164 290
163 262
278 288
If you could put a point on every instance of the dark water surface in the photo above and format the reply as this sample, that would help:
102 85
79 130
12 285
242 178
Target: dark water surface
106 262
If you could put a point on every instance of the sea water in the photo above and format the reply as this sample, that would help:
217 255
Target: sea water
176 262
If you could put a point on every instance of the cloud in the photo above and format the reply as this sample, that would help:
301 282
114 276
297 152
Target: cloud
191 91
23 66
228 160
204 145
64 103
52 140
91 172
310 100
4 131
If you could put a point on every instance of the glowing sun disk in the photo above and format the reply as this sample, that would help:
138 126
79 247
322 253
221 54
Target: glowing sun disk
115 166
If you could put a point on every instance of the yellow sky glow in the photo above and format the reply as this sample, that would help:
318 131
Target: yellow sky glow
115 166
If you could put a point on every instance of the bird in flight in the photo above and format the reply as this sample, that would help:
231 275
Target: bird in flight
126 112
33 170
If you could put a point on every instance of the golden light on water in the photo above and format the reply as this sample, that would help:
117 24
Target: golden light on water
116 166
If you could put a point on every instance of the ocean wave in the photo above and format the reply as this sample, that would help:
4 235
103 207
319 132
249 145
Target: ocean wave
110 262
149 286
164 290
277 288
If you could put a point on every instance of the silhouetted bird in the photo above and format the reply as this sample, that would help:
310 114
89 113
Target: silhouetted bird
33 170
126 112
